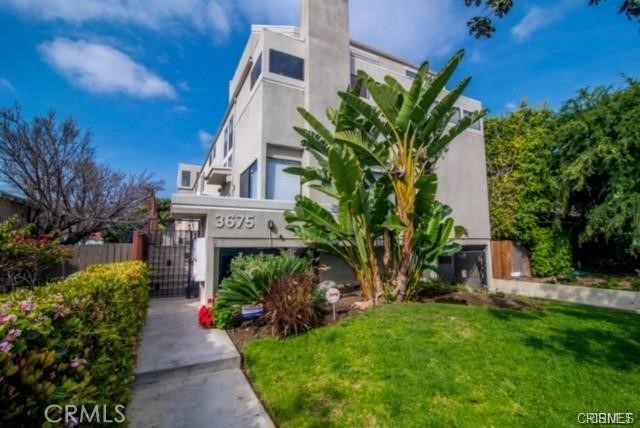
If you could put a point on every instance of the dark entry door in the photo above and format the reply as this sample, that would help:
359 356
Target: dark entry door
170 259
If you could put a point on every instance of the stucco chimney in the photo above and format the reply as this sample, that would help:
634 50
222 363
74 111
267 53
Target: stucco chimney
325 29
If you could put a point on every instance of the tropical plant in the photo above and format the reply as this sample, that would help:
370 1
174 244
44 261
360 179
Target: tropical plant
376 150
251 277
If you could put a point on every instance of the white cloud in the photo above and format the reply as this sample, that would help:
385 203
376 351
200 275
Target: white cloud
414 29
6 84
102 69
205 138
203 16
538 18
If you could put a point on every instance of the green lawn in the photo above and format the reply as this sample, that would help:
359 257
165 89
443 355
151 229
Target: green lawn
435 365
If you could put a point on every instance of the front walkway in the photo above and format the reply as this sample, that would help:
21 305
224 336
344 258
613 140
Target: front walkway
188 377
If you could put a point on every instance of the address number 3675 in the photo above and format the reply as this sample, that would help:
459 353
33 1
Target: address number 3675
235 221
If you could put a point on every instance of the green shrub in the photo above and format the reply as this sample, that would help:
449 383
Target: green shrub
635 284
551 254
251 277
290 305
225 318
71 342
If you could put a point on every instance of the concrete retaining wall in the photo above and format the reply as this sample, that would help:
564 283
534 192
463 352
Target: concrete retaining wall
616 299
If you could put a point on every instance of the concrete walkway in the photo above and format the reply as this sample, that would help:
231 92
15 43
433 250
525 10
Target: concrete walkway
188 377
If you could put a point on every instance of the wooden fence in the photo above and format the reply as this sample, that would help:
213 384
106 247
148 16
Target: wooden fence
508 259
87 255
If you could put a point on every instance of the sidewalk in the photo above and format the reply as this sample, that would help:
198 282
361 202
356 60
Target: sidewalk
187 376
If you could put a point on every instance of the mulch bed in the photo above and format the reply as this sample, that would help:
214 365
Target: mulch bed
252 330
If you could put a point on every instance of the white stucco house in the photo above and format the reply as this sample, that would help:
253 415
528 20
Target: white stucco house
240 191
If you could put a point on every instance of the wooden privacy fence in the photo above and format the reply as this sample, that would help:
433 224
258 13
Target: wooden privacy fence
87 255
509 259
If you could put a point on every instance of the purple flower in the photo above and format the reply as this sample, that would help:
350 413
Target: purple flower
6 347
77 362
13 334
8 319
26 306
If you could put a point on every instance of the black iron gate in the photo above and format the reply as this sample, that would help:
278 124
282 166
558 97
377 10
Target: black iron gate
170 258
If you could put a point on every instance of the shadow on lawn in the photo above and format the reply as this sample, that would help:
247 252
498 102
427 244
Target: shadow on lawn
594 336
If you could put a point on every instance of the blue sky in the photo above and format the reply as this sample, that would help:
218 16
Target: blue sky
150 79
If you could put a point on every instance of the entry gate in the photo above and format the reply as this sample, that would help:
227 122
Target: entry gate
171 261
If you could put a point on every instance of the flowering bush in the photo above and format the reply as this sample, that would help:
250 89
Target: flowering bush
25 259
71 342
206 315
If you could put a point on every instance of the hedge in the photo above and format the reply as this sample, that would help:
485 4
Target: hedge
71 342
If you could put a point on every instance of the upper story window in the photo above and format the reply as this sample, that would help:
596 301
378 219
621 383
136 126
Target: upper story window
249 182
364 93
411 74
228 143
286 65
477 125
256 72
280 184
185 179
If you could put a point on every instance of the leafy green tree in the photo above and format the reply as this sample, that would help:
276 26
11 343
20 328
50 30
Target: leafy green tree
524 188
481 26
599 148
387 147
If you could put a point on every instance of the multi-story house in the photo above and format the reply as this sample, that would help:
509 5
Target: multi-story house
241 190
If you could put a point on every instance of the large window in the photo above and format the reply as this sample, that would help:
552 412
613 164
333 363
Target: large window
185 179
228 143
249 182
286 65
280 184
256 72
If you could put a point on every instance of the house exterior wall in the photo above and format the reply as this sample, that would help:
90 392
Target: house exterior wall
263 119
11 206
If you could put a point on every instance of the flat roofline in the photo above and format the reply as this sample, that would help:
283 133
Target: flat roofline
387 55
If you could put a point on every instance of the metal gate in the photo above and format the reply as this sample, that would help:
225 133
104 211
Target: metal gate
170 258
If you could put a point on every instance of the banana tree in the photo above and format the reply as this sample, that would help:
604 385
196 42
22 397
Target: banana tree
363 205
409 130
400 135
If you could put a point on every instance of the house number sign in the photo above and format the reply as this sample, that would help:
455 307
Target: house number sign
233 221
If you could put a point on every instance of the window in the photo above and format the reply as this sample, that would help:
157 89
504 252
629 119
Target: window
228 143
256 72
185 179
286 65
364 93
280 184
249 182
411 74
477 124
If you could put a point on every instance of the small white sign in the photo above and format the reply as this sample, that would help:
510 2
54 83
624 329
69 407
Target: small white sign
332 295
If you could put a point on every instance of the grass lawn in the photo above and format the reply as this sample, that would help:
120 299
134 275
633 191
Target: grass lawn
436 365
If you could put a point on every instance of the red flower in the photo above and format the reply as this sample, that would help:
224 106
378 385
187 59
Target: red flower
206 317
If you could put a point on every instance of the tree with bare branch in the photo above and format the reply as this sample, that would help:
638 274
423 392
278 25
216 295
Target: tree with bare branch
53 165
